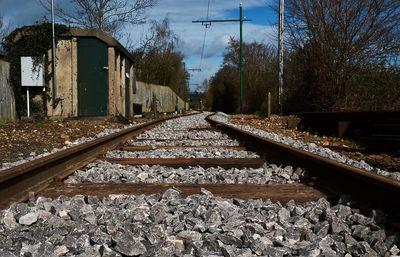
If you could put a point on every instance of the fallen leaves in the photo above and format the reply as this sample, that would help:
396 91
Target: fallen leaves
277 124
325 143
19 139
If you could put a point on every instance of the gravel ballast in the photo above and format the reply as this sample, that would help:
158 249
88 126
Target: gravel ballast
183 142
200 225
183 153
105 172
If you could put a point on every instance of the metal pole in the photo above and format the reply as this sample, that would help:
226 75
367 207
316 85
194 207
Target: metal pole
184 87
280 54
241 60
27 101
269 105
53 59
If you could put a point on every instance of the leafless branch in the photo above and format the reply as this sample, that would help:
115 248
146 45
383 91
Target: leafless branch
107 15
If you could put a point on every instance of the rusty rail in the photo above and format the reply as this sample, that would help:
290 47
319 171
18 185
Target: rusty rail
17 182
332 177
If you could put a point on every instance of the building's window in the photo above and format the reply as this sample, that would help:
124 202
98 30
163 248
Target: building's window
127 65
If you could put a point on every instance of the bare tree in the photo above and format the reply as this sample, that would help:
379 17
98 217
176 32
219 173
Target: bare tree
5 30
337 39
107 15
157 61
259 77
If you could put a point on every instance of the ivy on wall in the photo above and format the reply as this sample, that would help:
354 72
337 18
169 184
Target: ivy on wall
35 41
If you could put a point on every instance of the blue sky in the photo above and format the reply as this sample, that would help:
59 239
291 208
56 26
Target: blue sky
181 13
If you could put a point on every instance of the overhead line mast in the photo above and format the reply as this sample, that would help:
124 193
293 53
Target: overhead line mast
205 34
184 84
208 22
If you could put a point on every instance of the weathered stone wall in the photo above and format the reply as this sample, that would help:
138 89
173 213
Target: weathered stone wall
7 100
167 100
66 74
116 82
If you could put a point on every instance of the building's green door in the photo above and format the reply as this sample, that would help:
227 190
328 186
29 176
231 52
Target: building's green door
92 77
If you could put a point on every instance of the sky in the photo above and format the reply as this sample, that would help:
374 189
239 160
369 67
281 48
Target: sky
181 13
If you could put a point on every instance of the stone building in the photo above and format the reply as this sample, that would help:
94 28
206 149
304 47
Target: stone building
94 76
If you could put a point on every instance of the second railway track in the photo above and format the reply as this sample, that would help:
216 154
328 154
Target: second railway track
186 188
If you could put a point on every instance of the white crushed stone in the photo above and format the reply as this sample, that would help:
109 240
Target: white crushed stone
183 142
106 172
183 153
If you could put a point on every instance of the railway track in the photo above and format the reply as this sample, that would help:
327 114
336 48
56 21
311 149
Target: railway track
195 192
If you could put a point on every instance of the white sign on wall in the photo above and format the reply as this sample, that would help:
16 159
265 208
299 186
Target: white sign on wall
31 76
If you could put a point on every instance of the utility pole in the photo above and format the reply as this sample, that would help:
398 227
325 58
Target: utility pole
207 23
241 60
184 84
184 87
280 54
184 78
53 58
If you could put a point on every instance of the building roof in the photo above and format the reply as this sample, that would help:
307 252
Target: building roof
101 35
92 32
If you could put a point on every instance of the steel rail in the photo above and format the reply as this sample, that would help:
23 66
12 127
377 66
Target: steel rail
367 188
16 183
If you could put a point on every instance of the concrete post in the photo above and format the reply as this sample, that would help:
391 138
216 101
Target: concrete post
269 105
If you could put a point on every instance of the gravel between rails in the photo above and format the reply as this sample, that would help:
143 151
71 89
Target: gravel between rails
105 172
309 147
199 225
182 134
183 153
226 142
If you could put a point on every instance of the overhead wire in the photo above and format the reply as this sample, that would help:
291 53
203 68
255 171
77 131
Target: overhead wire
205 34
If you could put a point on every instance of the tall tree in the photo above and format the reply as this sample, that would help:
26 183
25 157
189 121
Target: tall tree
107 15
334 40
157 60
259 78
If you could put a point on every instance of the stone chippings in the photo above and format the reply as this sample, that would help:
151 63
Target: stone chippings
184 142
200 225
105 172
164 133
172 129
183 153
309 147
178 129
187 122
